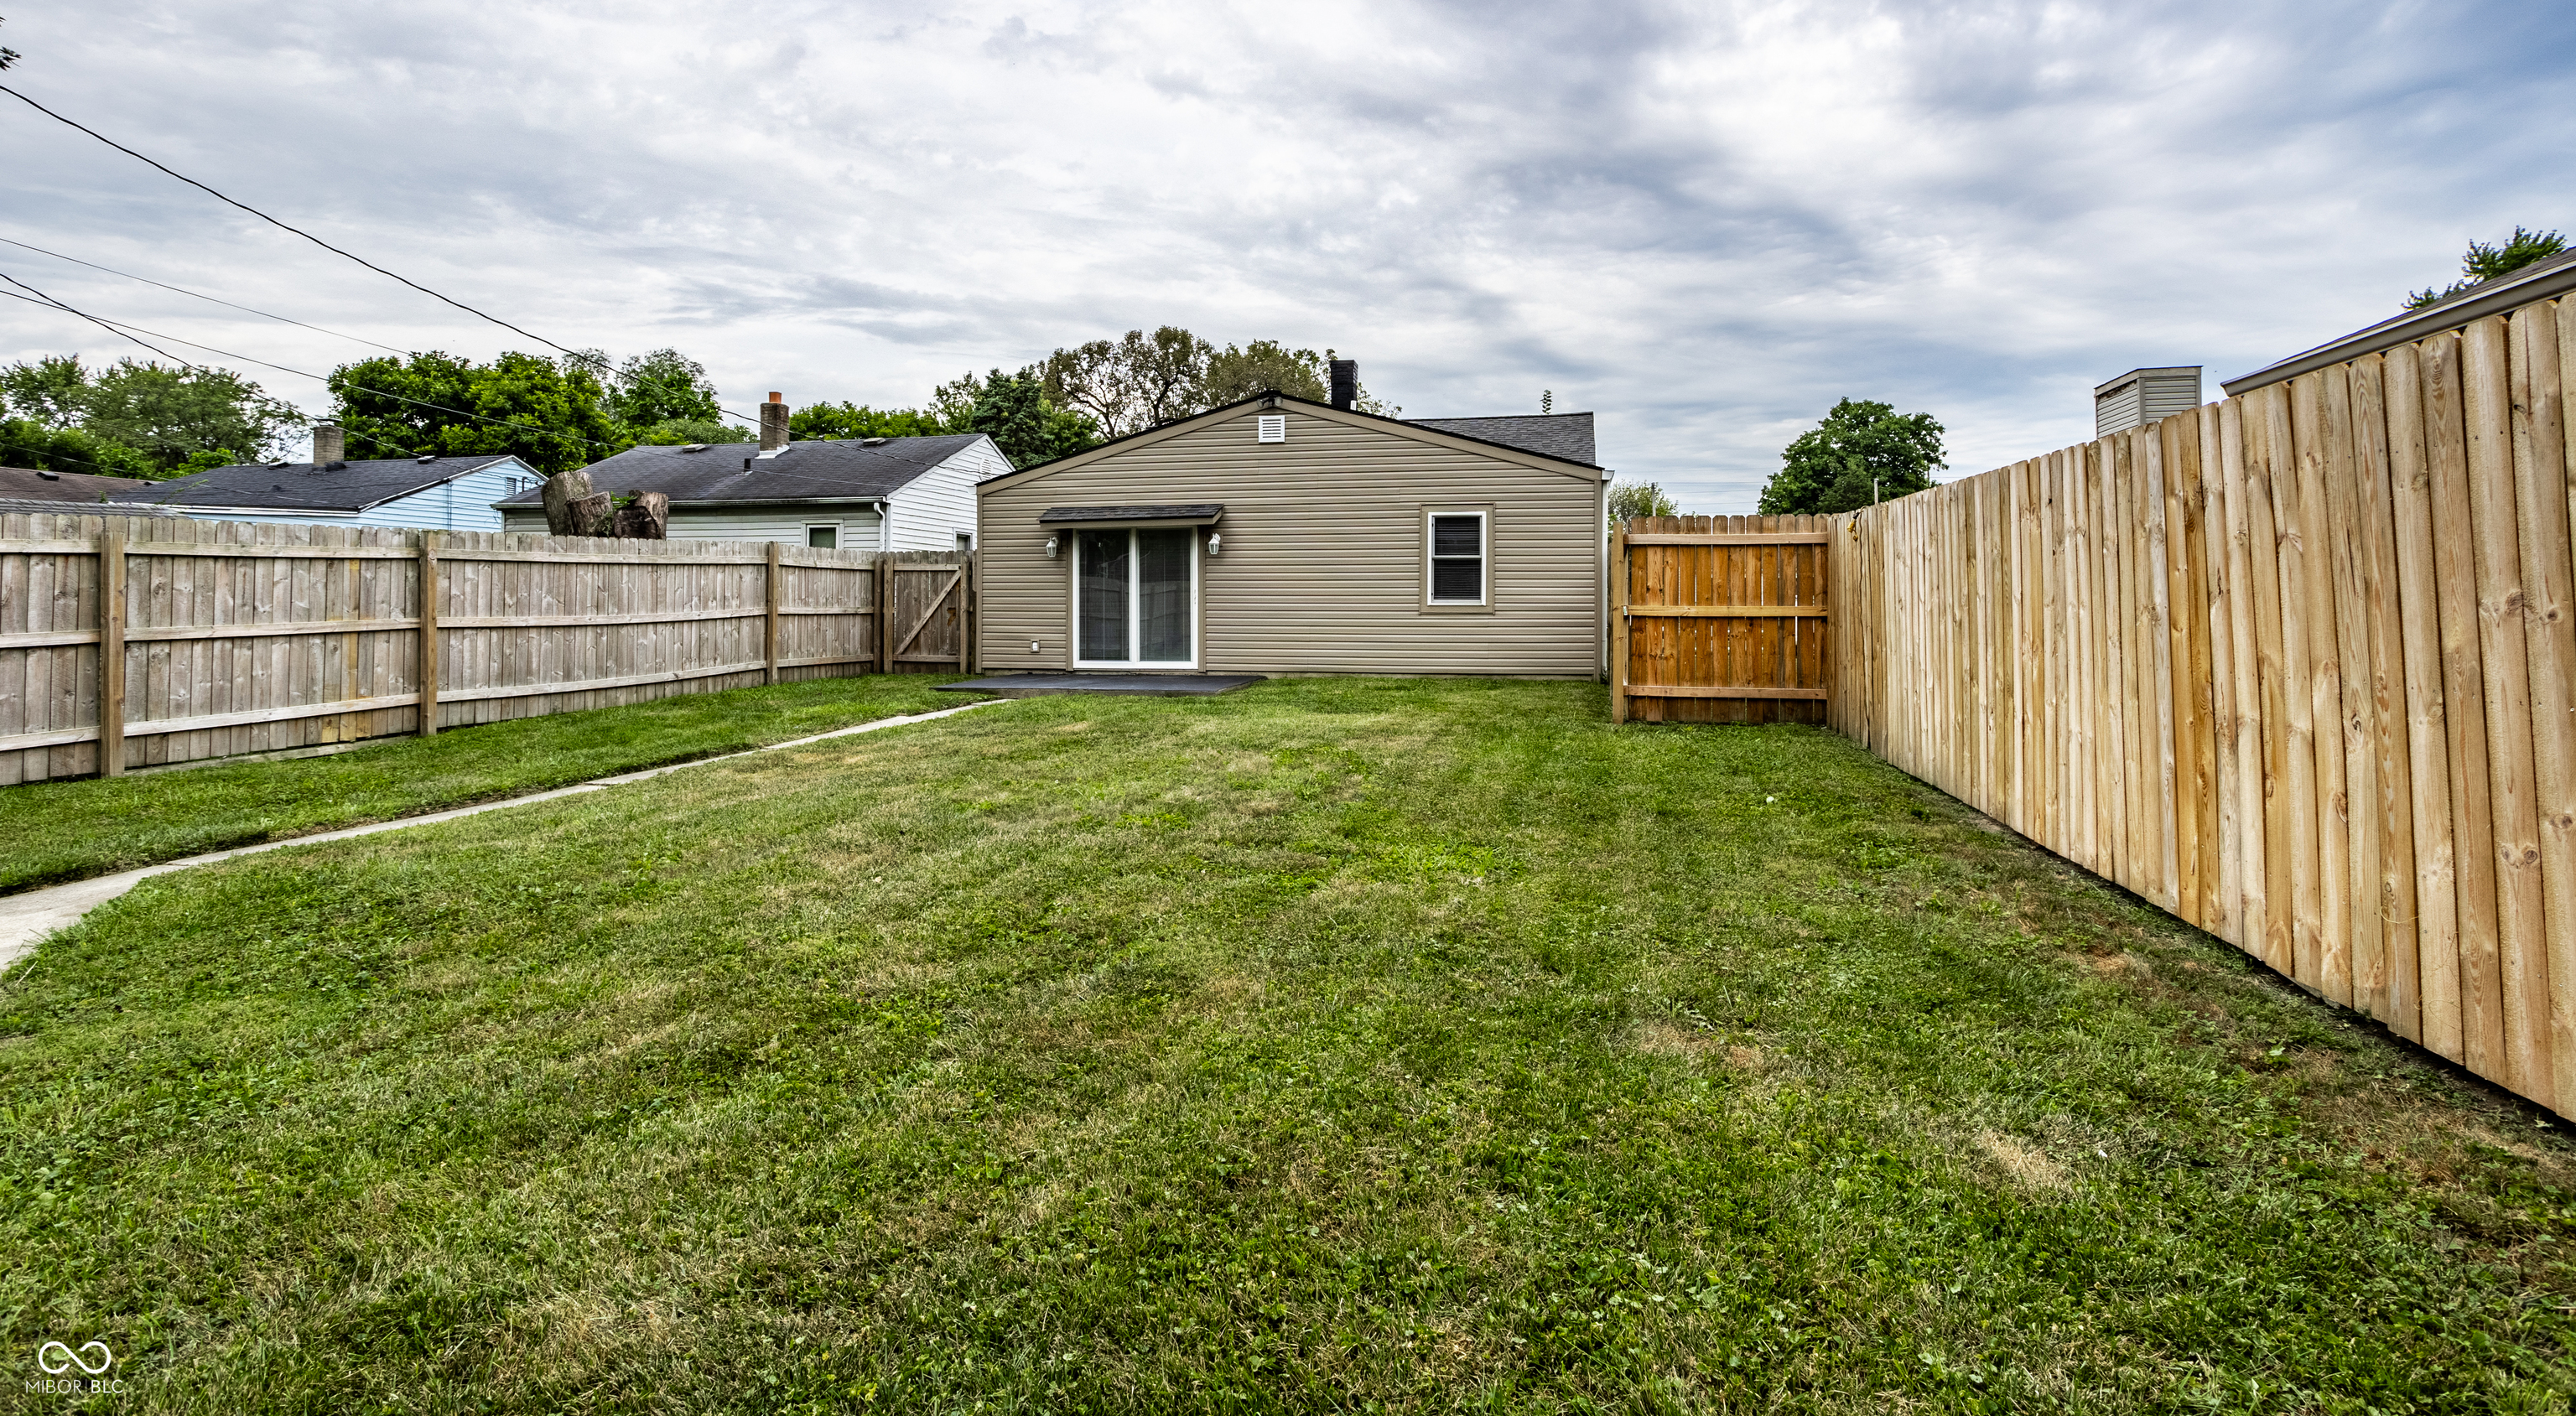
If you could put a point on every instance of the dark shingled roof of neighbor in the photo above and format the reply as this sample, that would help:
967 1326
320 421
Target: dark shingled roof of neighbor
812 470
305 486
28 484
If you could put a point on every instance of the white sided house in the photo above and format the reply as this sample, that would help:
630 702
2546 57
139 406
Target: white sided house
1282 536
859 494
418 493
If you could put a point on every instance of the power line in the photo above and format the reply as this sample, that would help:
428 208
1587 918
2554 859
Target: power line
119 327
282 226
201 295
129 275
44 299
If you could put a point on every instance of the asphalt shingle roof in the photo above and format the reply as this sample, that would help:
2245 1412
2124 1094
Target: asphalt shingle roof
814 470
1566 435
42 506
28 484
303 486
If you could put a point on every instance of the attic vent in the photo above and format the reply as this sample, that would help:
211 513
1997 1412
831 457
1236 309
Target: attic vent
281 462
693 447
1274 427
427 457
872 442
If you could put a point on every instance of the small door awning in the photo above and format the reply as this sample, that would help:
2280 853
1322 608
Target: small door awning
1188 514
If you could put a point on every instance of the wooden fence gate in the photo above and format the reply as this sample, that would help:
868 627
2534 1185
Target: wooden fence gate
929 594
1719 619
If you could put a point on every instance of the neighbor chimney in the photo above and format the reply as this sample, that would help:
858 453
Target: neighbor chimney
329 445
1346 382
773 423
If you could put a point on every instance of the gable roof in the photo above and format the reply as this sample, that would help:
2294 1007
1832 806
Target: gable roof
307 486
1563 435
1415 428
812 470
28 484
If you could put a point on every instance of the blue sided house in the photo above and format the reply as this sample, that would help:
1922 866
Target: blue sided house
420 493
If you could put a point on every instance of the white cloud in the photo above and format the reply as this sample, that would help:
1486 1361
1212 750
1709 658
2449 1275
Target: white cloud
1706 223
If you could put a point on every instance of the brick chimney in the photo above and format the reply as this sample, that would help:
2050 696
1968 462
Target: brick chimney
1346 382
330 445
773 423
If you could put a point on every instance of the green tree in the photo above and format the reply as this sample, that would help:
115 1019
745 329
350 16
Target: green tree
679 432
857 420
25 442
186 419
1263 366
552 417
1012 409
1132 383
2483 263
1634 499
48 391
1862 452
664 386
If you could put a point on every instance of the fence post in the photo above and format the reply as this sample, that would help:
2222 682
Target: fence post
428 674
1619 624
111 654
769 624
885 612
965 613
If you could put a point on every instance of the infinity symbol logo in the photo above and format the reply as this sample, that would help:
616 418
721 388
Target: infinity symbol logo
70 1359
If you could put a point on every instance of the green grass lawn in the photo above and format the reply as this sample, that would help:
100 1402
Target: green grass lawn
1333 1045
93 826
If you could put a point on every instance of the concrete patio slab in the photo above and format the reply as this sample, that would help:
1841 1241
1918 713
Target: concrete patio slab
1147 685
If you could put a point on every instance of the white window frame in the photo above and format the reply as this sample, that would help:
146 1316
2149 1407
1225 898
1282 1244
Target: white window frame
834 527
1484 558
1135 602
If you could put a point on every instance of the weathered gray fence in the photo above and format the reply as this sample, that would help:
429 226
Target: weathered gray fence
129 641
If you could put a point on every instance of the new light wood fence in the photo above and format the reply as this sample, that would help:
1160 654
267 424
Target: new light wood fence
2299 667
1718 619
130 641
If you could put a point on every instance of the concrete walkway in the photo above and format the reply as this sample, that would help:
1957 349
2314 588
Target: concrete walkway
26 918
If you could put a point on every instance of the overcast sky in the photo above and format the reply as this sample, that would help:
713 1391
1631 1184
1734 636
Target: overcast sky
1704 223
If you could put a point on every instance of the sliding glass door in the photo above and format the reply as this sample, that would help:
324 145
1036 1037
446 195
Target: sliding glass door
1136 597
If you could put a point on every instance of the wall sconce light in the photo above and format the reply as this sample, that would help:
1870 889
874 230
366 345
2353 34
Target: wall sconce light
1215 541
1051 547
1033 646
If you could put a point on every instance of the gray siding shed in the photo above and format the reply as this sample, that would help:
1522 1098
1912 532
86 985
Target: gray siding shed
1322 565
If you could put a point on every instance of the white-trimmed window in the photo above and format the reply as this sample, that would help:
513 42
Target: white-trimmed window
1458 556
1136 597
823 535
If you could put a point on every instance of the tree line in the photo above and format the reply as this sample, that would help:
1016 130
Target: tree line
142 418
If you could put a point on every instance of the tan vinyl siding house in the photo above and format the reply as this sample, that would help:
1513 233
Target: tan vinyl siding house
1311 554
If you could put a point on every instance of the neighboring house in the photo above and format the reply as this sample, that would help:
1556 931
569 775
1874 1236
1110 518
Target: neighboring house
424 493
41 506
871 494
30 484
1280 536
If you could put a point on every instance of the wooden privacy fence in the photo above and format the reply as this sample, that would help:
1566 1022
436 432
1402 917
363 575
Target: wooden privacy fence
1719 619
130 641
2298 666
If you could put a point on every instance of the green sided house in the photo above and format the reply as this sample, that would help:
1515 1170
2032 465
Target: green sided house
1282 536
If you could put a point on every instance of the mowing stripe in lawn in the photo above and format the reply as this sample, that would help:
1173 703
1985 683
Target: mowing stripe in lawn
25 919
